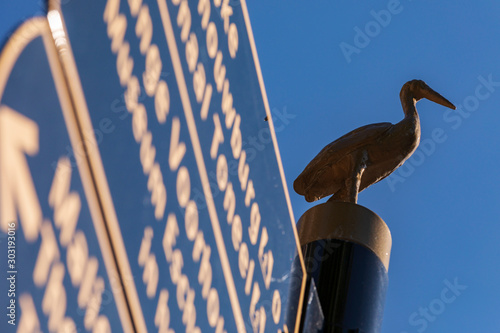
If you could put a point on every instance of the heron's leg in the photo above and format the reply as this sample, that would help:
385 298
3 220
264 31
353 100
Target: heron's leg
349 192
355 181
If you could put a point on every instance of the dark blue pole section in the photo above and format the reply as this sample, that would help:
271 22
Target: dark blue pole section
346 253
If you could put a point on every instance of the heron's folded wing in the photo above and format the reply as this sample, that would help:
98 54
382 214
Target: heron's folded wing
325 162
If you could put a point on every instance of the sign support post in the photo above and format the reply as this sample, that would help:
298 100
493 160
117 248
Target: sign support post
346 250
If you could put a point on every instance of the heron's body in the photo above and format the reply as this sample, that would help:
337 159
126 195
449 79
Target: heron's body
367 154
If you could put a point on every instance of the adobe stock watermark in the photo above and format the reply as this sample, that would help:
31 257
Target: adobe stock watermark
483 91
105 126
323 250
362 37
425 315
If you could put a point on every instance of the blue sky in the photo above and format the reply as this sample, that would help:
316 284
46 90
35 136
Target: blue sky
442 208
442 205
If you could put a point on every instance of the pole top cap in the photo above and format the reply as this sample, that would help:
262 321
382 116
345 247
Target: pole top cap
346 221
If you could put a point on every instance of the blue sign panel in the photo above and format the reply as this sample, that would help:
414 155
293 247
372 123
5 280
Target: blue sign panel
191 183
57 268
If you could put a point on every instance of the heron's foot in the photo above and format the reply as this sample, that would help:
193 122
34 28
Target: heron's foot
345 194
340 195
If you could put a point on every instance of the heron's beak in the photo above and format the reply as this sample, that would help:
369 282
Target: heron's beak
431 95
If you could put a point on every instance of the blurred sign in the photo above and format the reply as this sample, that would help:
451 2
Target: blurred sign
57 271
170 107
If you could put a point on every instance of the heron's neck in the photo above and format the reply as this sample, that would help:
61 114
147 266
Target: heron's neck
408 103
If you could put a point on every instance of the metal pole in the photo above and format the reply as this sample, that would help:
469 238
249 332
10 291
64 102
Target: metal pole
346 250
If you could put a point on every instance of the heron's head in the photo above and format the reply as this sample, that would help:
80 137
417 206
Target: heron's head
418 89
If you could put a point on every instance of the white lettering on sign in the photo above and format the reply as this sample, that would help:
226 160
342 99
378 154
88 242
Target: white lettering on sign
66 205
77 253
147 260
162 315
201 251
184 20
82 268
29 322
219 71
218 137
143 27
204 7
151 75
257 316
266 259
162 102
54 299
48 253
177 149
247 222
48 270
18 136
153 86
192 52
232 121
